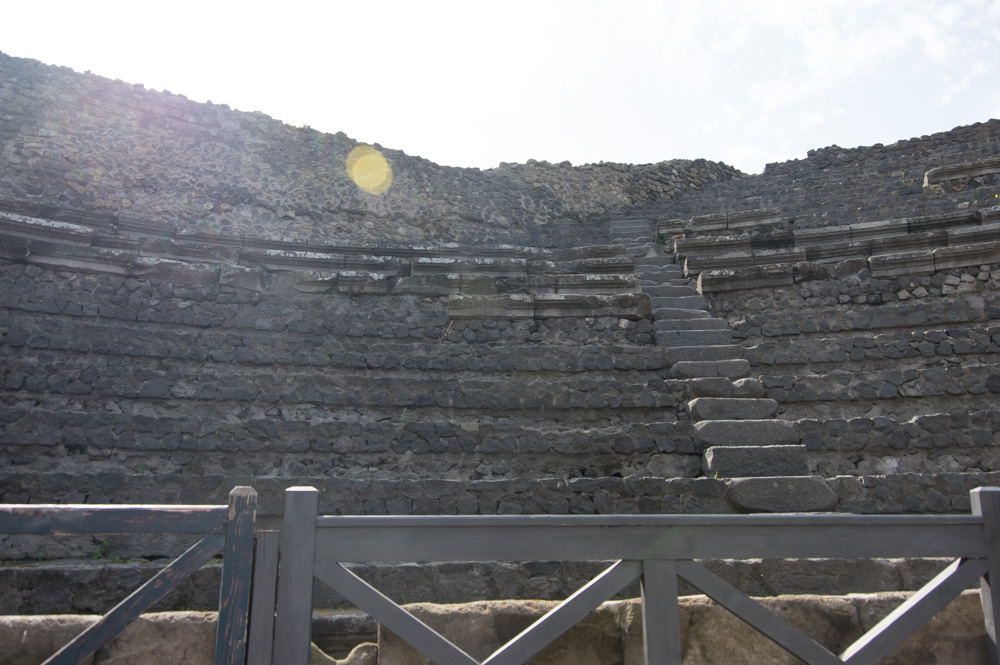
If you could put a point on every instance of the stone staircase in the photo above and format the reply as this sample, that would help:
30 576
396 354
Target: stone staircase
762 459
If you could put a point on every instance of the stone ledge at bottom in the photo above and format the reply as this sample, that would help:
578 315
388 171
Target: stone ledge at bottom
710 635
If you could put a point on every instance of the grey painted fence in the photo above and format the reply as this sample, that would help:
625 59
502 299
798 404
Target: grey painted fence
657 550
229 529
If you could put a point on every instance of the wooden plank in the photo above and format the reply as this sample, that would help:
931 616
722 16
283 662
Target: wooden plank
566 614
293 620
414 631
777 630
661 618
234 590
265 582
31 519
918 609
986 504
437 539
140 600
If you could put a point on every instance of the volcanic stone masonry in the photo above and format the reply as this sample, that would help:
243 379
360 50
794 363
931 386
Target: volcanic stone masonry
195 297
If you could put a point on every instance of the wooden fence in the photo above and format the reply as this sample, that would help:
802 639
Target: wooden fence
657 550
229 529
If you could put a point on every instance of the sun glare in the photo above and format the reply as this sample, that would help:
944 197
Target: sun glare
369 169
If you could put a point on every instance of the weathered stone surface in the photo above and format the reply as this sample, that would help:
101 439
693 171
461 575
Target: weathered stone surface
693 337
742 278
481 628
709 408
780 495
753 461
167 638
745 433
690 369
32 639
702 352
710 635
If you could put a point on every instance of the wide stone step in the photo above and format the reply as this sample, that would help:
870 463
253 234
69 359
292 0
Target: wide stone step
677 302
719 386
660 261
670 291
708 433
693 337
699 352
781 494
755 461
730 369
690 324
731 409
679 313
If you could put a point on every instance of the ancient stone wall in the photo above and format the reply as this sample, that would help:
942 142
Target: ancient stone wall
194 298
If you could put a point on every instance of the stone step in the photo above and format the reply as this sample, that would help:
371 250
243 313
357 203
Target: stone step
706 352
755 461
670 338
690 324
719 386
630 240
708 433
659 261
781 494
692 369
677 302
677 313
731 409
670 291
645 249
647 271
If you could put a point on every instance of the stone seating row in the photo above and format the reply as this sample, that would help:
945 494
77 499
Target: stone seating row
902 264
152 239
834 244
958 177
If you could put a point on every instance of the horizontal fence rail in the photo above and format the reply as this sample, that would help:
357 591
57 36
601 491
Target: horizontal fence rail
657 550
228 528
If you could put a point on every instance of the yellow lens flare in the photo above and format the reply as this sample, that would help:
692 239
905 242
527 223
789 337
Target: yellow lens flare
369 169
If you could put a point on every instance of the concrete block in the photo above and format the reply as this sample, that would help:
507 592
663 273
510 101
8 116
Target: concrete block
707 408
711 245
905 263
983 253
743 219
514 306
780 494
745 433
756 277
756 461
694 265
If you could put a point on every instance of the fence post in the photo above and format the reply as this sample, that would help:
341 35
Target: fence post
986 503
661 623
296 558
234 591
265 580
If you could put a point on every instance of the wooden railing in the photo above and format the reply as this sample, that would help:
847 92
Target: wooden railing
657 550
229 529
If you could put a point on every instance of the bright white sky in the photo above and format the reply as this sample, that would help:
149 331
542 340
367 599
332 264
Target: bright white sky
472 83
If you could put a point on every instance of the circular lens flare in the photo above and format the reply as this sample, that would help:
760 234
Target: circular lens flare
369 169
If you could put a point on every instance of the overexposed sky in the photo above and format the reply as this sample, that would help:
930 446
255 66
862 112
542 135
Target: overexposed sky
472 83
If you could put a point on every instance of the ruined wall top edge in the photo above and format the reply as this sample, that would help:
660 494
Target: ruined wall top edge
87 143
